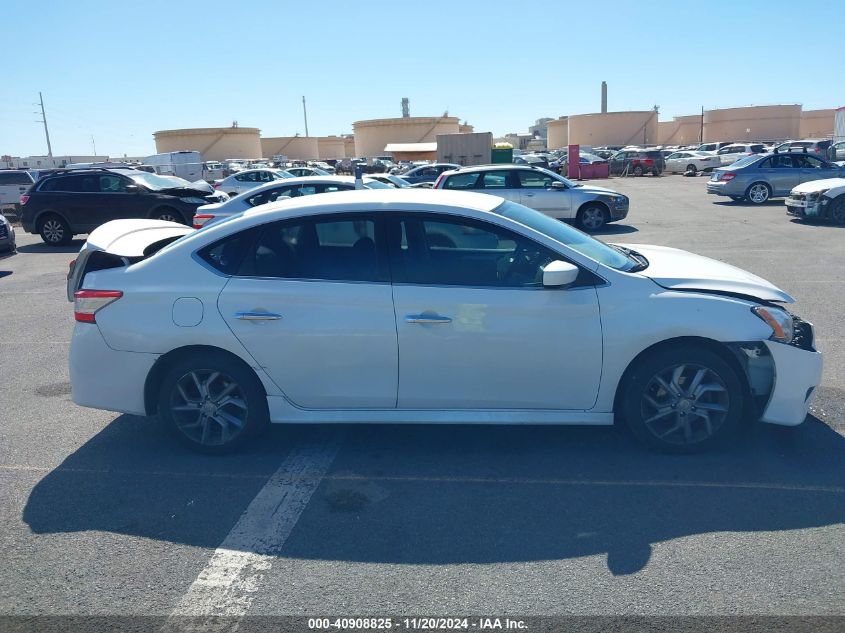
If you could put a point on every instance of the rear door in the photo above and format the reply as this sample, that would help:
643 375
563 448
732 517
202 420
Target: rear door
74 197
312 303
535 189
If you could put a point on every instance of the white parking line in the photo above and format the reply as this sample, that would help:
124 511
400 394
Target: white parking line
229 582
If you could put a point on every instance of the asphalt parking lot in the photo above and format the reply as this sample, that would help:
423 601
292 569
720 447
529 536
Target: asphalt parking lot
105 514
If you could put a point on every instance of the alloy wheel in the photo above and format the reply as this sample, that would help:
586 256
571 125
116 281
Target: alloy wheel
685 404
168 217
209 407
758 193
53 231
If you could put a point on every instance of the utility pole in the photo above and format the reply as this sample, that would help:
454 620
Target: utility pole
701 127
305 115
44 121
94 144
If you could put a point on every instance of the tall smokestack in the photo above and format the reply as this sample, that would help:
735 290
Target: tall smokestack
604 97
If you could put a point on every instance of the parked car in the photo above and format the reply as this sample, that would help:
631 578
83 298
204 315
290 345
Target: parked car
561 165
713 147
427 173
761 177
247 179
681 162
535 160
637 162
837 151
8 244
306 171
77 201
228 329
819 147
391 179
589 206
13 184
272 191
729 154
604 153
818 199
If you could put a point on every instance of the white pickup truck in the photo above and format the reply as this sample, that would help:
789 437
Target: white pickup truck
818 199
13 184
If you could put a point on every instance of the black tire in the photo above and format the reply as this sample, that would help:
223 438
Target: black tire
836 211
638 170
692 169
207 428
233 194
758 193
54 230
655 172
674 422
737 198
592 217
169 214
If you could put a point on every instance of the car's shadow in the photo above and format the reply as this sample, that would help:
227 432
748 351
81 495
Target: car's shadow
616 229
41 247
454 494
777 202
816 222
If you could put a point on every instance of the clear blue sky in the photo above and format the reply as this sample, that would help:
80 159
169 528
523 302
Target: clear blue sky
121 70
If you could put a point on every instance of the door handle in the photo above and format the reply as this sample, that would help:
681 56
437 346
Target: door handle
427 318
528 195
258 316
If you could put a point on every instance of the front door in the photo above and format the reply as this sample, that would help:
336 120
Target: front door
781 173
476 328
313 305
536 192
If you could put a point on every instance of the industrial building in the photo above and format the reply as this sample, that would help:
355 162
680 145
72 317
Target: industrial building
558 133
214 143
372 136
331 147
682 130
294 147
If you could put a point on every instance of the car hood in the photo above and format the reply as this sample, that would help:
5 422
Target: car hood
599 190
681 270
818 185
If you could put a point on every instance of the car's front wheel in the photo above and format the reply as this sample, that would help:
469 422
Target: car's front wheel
683 399
758 193
592 217
169 215
212 403
638 170
692 169
837 210
54 230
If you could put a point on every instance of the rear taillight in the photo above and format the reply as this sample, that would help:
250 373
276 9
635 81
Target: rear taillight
200 220
216 185
727 176
86 303
649 161
24 199
437 182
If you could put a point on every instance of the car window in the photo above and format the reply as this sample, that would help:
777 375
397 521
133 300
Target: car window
783 161
809 162
462 252
494 180
333 188
534 179
676 155
112 184
268 195
461 181
332 249
227 254
15 178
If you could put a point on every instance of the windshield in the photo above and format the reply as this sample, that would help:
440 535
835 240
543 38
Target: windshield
376 184
155 182
569 236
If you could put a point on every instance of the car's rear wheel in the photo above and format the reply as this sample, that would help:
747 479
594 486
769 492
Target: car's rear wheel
683 399
758 193
837 210
169 214
54 230
638 170
212 403
692 169
592 217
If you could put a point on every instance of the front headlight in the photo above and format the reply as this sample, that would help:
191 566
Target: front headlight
779 320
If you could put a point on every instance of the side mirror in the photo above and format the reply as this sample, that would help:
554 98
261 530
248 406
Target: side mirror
132 189
556 184
558 274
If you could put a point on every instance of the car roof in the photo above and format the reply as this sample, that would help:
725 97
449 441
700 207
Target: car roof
373 199
305 180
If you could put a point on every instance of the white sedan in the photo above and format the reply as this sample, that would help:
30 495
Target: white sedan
247 179
684 161
409 306
278 190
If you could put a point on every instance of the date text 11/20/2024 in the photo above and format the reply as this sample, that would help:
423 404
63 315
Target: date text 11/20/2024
416 624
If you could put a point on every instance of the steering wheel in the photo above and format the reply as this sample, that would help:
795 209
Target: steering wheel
521 260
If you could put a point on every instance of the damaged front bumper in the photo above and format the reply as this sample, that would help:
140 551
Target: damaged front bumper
807 206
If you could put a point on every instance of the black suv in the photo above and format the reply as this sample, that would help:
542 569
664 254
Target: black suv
70 202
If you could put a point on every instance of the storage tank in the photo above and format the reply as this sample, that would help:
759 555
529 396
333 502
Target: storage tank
371 136
635 127
349 146
558 133
682 130
329 147
294 147
753 123
214 143
817 123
